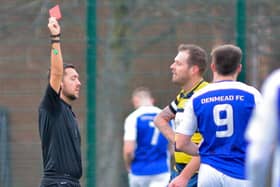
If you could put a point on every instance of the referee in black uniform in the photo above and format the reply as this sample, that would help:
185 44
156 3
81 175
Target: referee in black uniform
58 127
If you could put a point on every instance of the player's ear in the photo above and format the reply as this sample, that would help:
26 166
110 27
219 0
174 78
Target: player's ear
213 67
239 68
195 69
61 85
135 101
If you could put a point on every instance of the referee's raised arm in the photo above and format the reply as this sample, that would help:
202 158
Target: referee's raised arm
56 66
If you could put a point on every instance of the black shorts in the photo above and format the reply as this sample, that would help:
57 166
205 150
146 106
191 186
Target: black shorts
51 182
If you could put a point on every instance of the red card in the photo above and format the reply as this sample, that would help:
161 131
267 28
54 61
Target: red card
55 12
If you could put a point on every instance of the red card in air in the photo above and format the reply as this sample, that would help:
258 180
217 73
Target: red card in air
55 12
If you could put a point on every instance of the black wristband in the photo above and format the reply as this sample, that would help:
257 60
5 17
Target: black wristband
56 35
55 41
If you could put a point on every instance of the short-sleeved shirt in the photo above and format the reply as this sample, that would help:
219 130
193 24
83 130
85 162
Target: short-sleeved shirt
60 137
151 154
221 112
177 106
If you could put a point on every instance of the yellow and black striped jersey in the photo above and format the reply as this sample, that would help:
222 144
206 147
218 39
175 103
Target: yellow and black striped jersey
177 105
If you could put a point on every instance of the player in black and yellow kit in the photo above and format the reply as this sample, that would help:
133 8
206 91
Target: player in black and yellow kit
187 71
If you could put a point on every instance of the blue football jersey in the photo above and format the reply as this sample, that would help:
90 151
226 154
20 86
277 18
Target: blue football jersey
151 154
220 112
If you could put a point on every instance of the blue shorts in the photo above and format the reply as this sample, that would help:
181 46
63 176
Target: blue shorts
175 172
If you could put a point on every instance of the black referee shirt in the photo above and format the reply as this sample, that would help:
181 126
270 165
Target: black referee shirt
60 137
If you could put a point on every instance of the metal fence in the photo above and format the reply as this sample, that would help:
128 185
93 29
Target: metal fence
5 175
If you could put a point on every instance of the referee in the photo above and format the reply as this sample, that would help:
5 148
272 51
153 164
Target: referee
58 126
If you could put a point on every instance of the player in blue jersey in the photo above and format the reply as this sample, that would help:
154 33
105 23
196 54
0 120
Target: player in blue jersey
220 112
263 155
145 149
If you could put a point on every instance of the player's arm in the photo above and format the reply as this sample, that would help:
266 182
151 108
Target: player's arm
129 141
162 123
184 177
56 64
186 125
128 153
184 144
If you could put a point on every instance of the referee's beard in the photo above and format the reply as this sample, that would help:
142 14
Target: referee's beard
69 96
72 97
